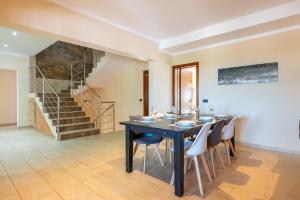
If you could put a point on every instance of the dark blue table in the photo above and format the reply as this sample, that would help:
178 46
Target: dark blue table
162 128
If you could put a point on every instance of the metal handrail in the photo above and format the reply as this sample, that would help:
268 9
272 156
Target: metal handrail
93 90
81 74
54 91
109 107
108 102
46 80
98 103
113 115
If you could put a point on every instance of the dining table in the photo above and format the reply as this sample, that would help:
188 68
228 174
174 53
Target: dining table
167 128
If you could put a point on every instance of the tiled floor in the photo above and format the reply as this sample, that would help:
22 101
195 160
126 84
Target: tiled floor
35 166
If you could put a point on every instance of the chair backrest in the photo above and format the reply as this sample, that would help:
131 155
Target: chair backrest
200 144
214 137
229 129
135 117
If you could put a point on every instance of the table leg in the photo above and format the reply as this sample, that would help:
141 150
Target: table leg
233 143
129 149
179 164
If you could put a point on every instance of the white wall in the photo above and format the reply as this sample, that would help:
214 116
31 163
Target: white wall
271 111
121 80
21 66
160 86
62 24
8 100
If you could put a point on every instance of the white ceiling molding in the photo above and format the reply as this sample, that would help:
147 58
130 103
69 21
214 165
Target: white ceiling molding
238 40
14 54
265 16
58 2
219 23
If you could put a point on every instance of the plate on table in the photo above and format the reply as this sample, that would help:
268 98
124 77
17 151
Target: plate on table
221 116
186 114
170 116
207 119
186 123
147 119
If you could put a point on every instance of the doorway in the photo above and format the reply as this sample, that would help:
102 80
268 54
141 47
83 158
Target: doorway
185 86
8 100
146 92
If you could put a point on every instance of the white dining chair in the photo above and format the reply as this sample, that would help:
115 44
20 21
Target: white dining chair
197 148
227 135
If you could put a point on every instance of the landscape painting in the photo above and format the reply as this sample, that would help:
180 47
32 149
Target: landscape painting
260 73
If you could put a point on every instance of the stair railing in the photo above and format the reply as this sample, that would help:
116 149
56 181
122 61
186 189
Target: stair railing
79 80
108 108
98 103
82 86
47 90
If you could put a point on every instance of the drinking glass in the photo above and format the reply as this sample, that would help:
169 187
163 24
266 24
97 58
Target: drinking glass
211 109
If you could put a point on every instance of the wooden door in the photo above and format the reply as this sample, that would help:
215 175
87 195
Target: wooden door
146 92
184 98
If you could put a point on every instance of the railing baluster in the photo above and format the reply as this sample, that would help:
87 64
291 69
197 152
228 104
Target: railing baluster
84 66
45 80
58 116
98 112
71 85
114 124
81 91
43 94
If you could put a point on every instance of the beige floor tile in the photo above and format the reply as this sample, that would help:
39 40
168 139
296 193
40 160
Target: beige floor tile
89 196
102 189
35 166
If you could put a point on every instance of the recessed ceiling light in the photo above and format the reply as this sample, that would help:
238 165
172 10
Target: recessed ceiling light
5 45
14 33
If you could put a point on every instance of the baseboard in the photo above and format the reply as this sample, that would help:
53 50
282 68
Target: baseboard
8 124
27 126
271 148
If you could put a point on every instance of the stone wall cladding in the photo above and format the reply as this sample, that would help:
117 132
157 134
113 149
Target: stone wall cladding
55 60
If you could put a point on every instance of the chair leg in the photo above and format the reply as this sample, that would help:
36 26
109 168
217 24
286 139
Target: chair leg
135 149
158 154
231 147
204 163
167 146
170 152
211 151
190 164
185 165
145 154
198 174
172 178
220 157
227 153
156 146
170 156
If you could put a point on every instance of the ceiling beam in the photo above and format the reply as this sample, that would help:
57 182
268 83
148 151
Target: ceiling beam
261 17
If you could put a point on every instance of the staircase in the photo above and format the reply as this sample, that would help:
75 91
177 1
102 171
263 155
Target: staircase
64 110
72 121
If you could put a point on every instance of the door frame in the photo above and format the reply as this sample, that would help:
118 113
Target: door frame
182 66
145 95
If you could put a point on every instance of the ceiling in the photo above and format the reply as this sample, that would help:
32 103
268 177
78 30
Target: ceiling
22 44
175 23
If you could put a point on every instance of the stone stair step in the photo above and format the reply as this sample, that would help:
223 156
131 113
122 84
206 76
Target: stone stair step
53 95
71 120
75 126
62 103
79 133
63 108
67 114
66 91
54 99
